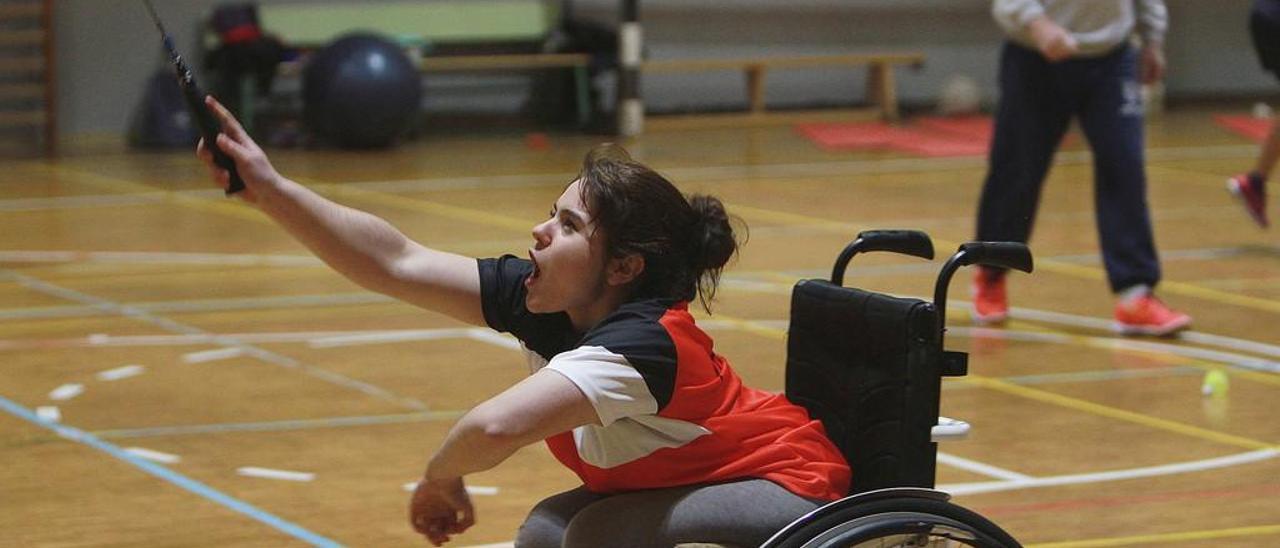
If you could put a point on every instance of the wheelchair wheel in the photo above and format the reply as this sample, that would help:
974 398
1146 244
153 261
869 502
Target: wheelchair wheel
904 522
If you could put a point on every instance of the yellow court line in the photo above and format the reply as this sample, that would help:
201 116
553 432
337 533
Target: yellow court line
218 206
433 208
1116 413
753 327
1057 267
1224 297
505 221
1162 538
1060 400
782 217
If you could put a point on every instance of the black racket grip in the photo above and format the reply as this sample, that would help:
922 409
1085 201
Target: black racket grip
209 130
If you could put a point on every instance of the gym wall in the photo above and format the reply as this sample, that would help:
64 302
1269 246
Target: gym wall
107 48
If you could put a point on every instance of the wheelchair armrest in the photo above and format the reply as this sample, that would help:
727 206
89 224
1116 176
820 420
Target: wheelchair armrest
949 429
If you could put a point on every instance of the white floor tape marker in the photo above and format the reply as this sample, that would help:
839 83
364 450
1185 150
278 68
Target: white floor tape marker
49 413
66 392
268 473
213 355
154 456
120 373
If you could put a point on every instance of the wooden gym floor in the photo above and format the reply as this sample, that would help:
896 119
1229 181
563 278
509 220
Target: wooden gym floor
184 343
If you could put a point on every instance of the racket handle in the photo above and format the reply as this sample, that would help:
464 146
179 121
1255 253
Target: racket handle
209 130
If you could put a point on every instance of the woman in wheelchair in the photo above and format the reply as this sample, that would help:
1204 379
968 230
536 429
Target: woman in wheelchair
625 389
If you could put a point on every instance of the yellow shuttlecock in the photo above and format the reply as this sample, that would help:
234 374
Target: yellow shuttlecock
1216 383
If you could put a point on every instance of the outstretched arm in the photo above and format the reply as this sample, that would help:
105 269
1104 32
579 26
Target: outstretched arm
542 405
363 247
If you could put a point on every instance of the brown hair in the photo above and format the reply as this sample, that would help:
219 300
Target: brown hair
685 242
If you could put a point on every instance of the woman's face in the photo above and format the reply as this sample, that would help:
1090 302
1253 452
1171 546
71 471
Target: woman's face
569 259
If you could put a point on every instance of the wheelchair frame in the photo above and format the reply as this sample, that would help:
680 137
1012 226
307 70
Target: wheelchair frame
879 402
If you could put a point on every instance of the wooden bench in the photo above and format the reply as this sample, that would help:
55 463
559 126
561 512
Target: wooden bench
577 62
501 31
881 90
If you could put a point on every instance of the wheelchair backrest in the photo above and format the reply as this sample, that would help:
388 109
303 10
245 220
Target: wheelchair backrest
868 366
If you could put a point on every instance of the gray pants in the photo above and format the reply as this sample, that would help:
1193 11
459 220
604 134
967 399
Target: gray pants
742 513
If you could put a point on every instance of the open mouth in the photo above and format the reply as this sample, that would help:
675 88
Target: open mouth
536 270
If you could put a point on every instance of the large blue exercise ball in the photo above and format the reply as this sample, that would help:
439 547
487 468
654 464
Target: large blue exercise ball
361 91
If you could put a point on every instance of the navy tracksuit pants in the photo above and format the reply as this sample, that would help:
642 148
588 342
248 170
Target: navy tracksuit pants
1038 99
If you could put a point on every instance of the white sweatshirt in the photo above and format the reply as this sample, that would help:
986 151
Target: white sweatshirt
1097 25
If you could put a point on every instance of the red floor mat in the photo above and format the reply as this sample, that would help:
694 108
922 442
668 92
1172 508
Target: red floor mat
926 137
1246 126
977 127
857 136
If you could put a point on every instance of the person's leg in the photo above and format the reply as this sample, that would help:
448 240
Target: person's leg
1266 41
1251 187
545 527
740 514
1112 120
1269 153
1030 119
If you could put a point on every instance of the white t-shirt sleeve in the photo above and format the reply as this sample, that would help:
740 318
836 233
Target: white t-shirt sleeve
616 389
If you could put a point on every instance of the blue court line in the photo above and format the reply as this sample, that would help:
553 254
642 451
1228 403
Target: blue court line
168 475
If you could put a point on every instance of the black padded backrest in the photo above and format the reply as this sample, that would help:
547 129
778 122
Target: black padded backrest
868 366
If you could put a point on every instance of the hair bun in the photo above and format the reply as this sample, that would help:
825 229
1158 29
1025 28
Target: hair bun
712 240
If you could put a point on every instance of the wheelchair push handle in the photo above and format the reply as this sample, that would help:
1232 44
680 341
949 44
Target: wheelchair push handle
906 242
1013 255
999 254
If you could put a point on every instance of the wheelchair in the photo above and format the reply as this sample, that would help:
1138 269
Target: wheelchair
869 366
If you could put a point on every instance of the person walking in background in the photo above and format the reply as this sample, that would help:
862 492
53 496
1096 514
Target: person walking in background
1067 59
1251 187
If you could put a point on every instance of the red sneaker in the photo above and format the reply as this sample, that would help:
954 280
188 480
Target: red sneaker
990 300
1252 194
1148 315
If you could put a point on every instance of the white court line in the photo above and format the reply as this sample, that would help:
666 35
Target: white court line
1114 475
270 473
67 202
66 391
120 373
389 336
154 456
406 335
482 490
730 172
501 340
221 340
204 356
137 257
1228 342
980 468
473 490
209 305
1231 343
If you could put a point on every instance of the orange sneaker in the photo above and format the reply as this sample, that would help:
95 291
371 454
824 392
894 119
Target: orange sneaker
990 300
1252 194
1147 315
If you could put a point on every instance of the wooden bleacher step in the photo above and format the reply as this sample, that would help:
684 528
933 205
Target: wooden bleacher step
27 118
